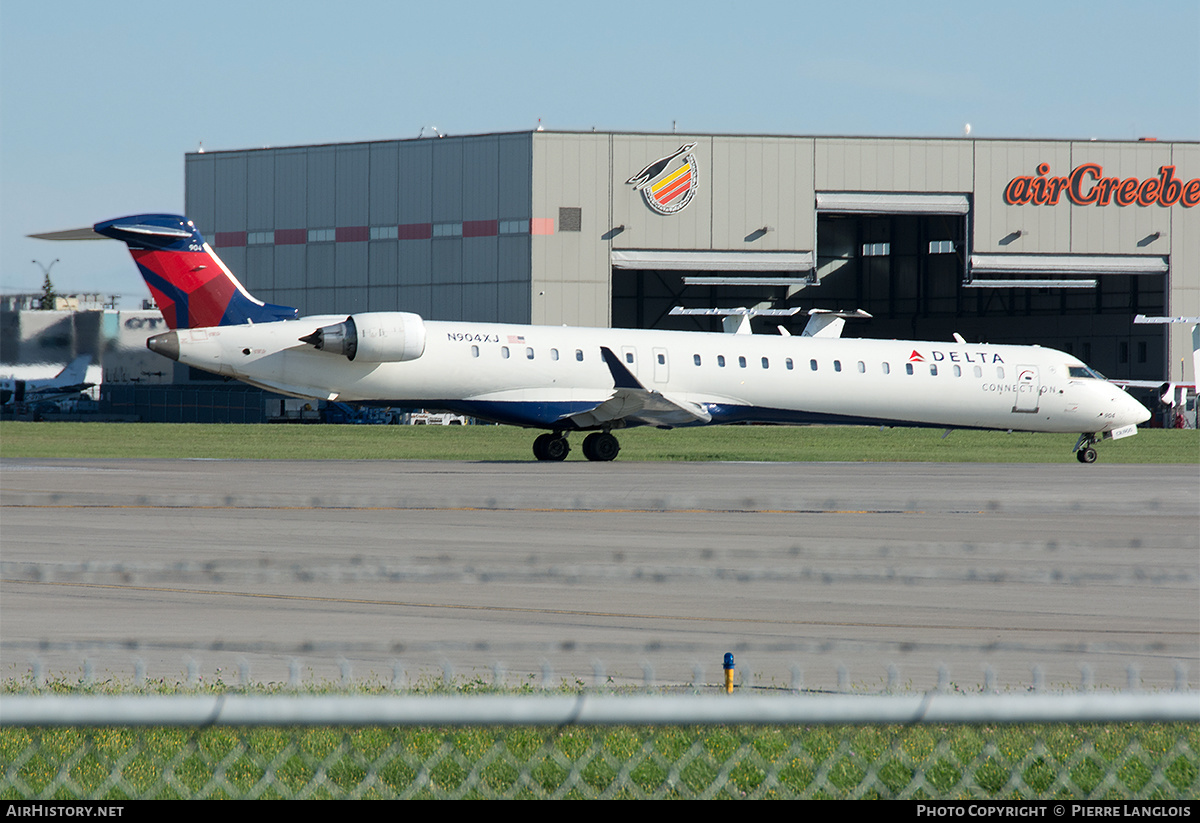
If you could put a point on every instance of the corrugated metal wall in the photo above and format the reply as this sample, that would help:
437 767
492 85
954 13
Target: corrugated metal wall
388 226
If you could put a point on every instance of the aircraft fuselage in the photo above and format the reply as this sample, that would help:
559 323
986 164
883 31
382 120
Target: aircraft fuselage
551 376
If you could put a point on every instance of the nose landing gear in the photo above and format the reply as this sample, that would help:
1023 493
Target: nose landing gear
1084 448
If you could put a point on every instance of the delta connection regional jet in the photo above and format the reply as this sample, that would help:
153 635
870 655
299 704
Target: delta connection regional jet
566 380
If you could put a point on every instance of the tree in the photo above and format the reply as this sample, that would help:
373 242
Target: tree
49 296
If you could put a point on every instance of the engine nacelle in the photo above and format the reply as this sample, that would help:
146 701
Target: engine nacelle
373 337
1166 394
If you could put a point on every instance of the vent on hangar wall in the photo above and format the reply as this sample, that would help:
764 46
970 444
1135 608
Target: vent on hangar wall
570 218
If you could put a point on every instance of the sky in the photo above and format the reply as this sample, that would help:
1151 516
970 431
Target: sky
99 102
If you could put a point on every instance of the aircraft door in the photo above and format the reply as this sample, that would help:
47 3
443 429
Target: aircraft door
1029 390
661 366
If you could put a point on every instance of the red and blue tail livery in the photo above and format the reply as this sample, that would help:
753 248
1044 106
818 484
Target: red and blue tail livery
191 285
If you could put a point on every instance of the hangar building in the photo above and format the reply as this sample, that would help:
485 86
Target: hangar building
1054 242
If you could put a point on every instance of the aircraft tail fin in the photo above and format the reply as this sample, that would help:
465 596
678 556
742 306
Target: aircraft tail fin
191 285
74 372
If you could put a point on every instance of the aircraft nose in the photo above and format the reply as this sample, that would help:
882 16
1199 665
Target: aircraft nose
1131 411
1140 413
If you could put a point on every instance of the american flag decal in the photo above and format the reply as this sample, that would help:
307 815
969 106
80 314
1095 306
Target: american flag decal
516 338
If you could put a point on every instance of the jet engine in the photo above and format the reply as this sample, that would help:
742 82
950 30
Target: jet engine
373 337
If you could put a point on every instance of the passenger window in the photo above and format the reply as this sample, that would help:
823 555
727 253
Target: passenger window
579 355
862 367
887 369
837 365
628 357
812 364
766 365
504 352
742 362
554 354
528 353
474 351
696 359
933 369
721 360
662 360
978 371
1000 372
788 363
958 371
908 368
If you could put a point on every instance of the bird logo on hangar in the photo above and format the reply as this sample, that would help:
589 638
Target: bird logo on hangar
669 183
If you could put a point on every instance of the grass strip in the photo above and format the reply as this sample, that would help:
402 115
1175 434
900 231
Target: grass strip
20 439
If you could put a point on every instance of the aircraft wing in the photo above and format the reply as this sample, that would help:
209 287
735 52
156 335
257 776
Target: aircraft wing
46 392
1149 384
303 392
631 400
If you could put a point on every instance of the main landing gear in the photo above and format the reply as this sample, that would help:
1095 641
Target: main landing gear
600 446
1085 451
551 446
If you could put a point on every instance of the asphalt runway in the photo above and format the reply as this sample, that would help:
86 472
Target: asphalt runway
827 575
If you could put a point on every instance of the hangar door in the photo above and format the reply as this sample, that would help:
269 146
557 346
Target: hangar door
900 256
1082 304
905 259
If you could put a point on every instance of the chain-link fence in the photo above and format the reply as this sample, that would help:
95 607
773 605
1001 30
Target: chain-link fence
577 746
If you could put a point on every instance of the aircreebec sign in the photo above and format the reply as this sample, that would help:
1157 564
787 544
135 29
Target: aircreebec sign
1087 186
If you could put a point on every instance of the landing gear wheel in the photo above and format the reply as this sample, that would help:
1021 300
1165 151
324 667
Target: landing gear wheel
551 447
600 446
1084 451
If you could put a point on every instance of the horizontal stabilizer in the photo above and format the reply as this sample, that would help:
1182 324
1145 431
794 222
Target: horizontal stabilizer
87 233
735 321
150 229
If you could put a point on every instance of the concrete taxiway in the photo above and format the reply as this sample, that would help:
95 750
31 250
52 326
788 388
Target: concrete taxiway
824 574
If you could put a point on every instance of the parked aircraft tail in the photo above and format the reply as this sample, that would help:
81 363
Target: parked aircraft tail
191 285
73 374
71 380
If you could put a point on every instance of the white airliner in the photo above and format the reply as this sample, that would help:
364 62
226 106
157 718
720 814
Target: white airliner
565 379
71 380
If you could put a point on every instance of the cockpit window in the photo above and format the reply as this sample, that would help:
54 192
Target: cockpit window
1085 371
